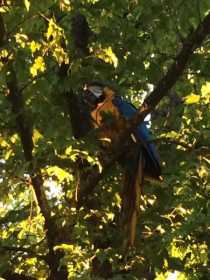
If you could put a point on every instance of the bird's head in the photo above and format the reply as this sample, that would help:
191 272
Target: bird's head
96 92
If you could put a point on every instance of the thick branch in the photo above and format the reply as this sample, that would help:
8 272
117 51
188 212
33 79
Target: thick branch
193 41
25 132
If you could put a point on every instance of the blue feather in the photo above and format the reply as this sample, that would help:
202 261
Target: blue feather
152 162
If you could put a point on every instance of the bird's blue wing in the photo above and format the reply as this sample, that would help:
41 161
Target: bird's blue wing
152 162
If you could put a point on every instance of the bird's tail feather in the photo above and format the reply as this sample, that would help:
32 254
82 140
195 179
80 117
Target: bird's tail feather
132 188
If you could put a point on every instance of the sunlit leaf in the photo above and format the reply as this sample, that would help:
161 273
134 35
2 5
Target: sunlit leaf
65 247
60 173
38 66
27 4
34 46
65 5
21 39
192 99
36 135
107 55
205 92
60 55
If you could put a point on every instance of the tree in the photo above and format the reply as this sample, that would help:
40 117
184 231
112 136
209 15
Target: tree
51 230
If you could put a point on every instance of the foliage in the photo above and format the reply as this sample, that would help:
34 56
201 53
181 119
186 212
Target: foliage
134 44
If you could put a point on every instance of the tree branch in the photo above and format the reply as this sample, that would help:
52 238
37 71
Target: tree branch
193 41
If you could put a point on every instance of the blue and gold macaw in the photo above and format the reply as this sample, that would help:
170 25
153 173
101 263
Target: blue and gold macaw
140 161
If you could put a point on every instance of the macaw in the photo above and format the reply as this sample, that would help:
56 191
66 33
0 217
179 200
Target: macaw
139 162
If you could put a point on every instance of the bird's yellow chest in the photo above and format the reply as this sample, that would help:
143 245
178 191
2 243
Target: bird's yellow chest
109 131
106 107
